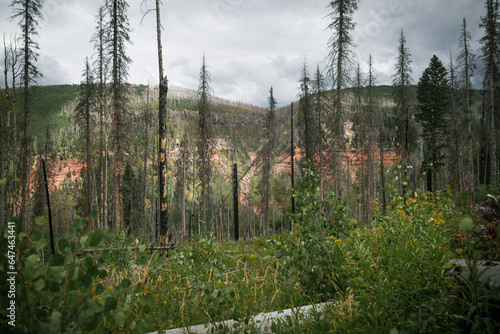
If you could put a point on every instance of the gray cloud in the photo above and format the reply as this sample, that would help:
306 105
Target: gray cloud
251 44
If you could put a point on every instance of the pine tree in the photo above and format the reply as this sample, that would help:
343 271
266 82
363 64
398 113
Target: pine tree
339 54
489 49
318 87
118 31
100 63
205 138
268 157
434 99
28 12
466 64
406 134
306 117
84 119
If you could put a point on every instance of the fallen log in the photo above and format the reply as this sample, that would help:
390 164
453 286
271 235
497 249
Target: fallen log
134 248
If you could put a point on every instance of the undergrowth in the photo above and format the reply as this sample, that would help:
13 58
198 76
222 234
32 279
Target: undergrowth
390 275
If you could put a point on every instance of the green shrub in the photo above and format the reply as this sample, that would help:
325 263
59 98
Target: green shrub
63 293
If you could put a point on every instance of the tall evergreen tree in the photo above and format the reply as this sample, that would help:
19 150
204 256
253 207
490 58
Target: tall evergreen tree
84 119
118 32
466 64
100 63
268 157
339 45
205 138
306 116
28 12
318 87
434 99
406 135
490 53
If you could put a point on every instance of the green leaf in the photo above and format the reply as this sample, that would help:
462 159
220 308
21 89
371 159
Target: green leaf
96 237
110 304
86 280
32 265
3 182
83 240
466 225
40 221
142 248
63 245
90 323
39 285
40 244
99 289
36 234
78 223
59 271
57 260
55 321
120 318
126 283
94 214
146 325
95 306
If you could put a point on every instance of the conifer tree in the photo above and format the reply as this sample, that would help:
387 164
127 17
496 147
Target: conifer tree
306 116
205 138
118 32
318 87
339 45
433 101
28 12
489 49
466 64
100 63
406 134
268 160
84 119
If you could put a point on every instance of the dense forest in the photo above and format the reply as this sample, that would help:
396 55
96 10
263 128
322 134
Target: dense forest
127 201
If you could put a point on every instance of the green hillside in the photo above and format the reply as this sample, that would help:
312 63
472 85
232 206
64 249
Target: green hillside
47 102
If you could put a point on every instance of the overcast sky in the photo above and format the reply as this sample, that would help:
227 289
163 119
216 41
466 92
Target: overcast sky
249 44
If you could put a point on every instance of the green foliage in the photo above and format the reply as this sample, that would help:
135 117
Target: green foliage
434 98
314 226
47 101
64 292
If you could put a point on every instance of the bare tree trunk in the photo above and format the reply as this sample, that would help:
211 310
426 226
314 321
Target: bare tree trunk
162 130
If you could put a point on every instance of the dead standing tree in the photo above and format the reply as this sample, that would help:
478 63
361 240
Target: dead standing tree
205 142
162 120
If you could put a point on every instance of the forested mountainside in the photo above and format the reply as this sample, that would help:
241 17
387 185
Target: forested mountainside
239 137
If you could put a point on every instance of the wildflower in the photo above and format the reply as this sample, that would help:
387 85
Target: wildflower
413 241
176 288
411 202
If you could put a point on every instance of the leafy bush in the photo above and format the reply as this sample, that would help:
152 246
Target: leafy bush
63 292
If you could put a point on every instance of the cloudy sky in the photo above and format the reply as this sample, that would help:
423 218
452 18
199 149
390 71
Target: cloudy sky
249 44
